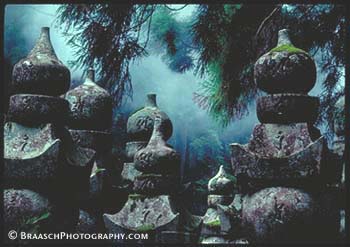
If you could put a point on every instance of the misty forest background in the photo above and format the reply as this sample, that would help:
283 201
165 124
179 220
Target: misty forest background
198 59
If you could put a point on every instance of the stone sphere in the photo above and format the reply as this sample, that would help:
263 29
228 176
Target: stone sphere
140 124
278 214
41 72
285 69
90 107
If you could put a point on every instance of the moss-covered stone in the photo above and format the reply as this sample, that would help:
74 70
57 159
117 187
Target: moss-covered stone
145 228
136 196
215 223
288 48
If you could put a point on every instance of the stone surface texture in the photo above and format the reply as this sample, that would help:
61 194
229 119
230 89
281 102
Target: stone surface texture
41 72
140 124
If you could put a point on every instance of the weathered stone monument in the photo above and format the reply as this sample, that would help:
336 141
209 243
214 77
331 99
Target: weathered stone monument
221 188
153 208
90 118
139 129
41 163
282 173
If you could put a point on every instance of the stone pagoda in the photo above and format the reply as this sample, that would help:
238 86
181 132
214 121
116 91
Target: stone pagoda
41 162
154 208
139 130
282 173
221 188
89 120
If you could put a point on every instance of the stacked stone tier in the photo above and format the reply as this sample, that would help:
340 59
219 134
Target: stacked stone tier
162 217
31 154
90 107
31 110
302 164
155 184
41 72
287 108
131 148
97 140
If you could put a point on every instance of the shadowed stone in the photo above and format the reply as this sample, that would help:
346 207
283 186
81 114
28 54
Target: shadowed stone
21 207
144 214
214 200
31 155
97 140
279 214
155 184
129 172
131 148
303 164
41 72
30 109
279 141
87 223
176 237
79 165
287 108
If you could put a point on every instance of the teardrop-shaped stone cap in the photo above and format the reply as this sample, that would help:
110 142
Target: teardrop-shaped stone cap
43 45
41 72
221 183
283 37
90 77
151 100
285 68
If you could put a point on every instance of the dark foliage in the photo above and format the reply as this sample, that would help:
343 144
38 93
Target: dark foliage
221 41
106 36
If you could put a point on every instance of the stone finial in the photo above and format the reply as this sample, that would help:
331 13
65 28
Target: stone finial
140 124
221 183
41 72
151 100
283 37
44 45
90 75
285 68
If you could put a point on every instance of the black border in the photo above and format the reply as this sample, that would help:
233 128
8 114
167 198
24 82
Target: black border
346 3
